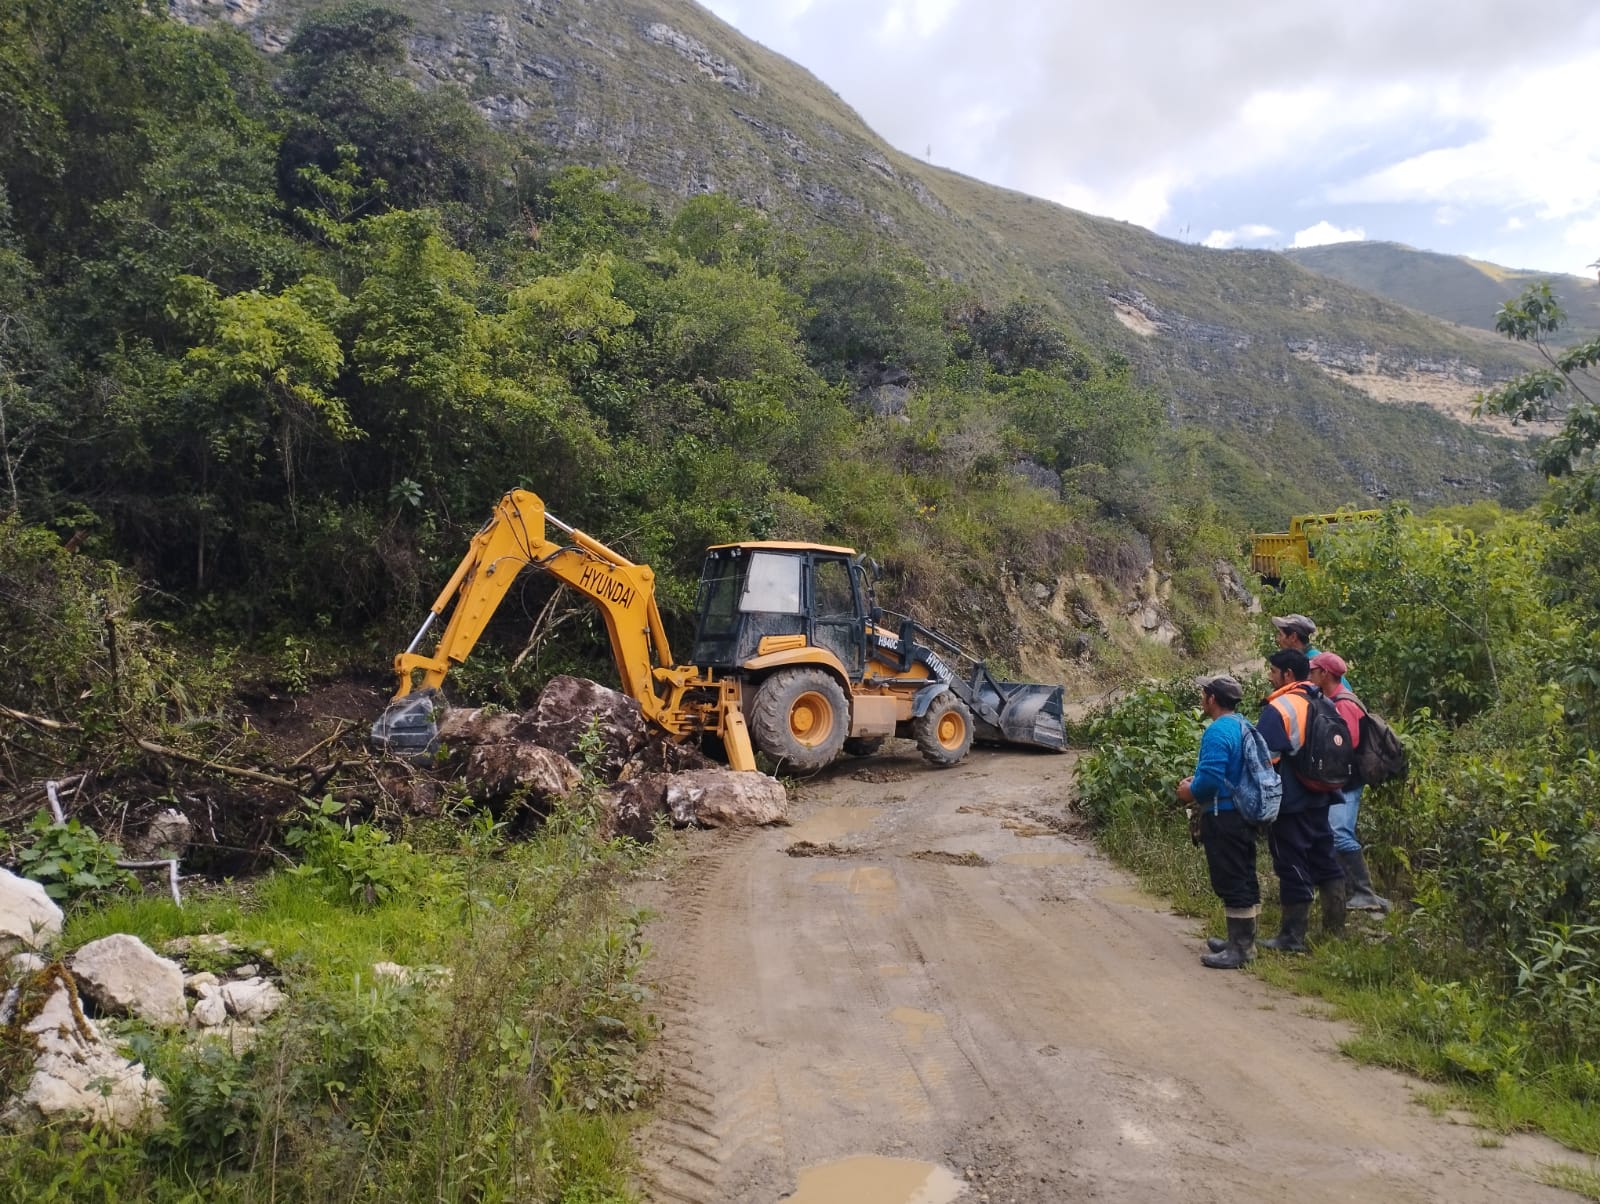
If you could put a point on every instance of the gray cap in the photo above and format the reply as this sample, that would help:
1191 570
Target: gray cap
1298 624
1223 686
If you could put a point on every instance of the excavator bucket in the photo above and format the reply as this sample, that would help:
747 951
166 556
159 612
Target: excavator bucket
1023 713
409 726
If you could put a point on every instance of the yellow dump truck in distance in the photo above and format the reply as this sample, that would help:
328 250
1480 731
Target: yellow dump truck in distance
1297 545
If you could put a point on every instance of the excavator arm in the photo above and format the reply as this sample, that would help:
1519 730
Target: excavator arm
514 538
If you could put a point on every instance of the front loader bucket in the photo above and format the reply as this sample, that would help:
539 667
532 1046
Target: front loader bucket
1028 714
409 726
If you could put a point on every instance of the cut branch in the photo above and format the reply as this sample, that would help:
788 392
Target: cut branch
237 771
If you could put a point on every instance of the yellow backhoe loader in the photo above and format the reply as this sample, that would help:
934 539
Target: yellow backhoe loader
791 654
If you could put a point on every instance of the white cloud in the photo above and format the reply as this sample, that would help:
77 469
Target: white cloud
1513 224
1465 104
1325 232
1221 240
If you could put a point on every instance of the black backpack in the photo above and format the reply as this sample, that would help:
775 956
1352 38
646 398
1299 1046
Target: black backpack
1380 756
1326 760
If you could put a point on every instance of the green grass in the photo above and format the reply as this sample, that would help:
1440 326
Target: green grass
1369 984
509 1074
1576 1179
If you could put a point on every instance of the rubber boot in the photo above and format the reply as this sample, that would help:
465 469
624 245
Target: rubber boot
1332 894
1238 950
1360 896
1292 936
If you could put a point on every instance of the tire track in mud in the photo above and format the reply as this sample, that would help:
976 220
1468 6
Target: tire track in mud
1031 1023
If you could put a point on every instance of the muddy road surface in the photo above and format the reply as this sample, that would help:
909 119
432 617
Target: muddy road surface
948 997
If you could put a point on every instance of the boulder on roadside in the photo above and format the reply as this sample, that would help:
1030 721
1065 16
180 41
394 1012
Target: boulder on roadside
122 976
663 755
726 798
463 727
630 807
29 918
78 1075
496 771
567 707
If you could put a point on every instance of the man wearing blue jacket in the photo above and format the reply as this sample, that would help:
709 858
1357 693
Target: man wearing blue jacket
1229 842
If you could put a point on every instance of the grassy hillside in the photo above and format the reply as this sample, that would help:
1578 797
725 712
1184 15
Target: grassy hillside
1451 287
1282 362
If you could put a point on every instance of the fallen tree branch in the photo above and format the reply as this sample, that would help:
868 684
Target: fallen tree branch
344 726
171 864
54 725
238 771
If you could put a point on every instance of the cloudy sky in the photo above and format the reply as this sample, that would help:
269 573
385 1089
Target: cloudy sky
1465 126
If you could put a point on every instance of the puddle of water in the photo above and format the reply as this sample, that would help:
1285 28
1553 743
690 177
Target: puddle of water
1132 896
918 1024
868 880
1042 859
833 823
870 1180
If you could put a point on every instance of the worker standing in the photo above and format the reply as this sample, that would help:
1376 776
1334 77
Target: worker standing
1327 674
1229 841
1300 840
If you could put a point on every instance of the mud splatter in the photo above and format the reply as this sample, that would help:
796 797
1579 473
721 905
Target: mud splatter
940 857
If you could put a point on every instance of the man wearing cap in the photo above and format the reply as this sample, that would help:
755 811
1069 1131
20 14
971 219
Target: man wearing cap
1229 842
1295 632
1327 674
1300 839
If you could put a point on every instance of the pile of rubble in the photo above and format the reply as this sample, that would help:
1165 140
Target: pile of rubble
61 1013
647 775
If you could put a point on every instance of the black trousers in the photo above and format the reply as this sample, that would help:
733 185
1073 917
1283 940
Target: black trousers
1230 846
1302 853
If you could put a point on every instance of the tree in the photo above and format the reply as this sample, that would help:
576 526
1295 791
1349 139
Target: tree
1569 378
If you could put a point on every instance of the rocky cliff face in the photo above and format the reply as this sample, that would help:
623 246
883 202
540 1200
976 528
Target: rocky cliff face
1247 341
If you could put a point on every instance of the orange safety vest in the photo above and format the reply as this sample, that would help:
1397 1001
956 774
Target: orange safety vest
1291 702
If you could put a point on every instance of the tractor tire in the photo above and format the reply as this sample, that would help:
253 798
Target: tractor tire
800 717
944 731
863 746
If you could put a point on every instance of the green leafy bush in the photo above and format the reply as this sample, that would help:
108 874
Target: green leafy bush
71 861
1140 747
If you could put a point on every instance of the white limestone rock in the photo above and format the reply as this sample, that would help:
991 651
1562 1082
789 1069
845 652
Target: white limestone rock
252 1000
725 798
29 918
79 1075
210 1010
124 977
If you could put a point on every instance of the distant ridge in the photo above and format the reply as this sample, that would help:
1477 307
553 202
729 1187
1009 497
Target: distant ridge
1452 287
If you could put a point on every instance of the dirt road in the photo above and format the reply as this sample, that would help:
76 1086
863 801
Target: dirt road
952 999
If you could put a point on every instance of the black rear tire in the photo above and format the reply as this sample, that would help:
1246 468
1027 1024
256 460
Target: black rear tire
944 731
801 717
863 746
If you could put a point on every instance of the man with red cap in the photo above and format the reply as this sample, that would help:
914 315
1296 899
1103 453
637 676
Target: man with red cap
1327 674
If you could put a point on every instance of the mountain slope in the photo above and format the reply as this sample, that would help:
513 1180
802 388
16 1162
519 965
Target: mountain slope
1294 369
1451 287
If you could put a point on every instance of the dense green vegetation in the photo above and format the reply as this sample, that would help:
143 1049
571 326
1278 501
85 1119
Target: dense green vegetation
1473 630
277 333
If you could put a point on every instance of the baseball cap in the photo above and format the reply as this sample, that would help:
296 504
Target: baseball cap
1295 623
1331 663
1223 686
